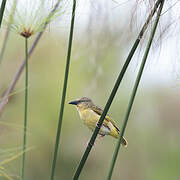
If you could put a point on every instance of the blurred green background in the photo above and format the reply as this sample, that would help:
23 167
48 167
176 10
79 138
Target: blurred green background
99 49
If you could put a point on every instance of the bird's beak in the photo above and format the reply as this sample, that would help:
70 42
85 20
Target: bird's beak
73 102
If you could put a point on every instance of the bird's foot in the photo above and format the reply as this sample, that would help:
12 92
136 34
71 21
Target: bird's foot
90 144
101 136
97 125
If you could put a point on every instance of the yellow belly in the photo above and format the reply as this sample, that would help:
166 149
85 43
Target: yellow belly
90 119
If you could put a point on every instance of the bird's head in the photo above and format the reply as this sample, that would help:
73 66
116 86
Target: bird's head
82 102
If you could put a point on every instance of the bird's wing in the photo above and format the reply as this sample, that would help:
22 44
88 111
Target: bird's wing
99 111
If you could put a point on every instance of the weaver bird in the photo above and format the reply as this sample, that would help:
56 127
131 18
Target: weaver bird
90 114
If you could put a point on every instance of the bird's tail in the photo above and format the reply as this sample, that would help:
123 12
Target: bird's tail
124 142
116 135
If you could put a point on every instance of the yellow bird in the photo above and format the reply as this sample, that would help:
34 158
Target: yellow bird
90 114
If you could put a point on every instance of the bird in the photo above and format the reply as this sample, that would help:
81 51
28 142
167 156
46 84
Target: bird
90 114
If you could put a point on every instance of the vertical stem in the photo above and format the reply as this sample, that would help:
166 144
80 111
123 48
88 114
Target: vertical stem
25 109
3 4
113 93
64 91
134 92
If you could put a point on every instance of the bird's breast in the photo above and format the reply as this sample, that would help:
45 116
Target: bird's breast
89 117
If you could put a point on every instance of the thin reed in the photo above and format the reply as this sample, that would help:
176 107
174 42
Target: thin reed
134 91
25 111
3 4
64 91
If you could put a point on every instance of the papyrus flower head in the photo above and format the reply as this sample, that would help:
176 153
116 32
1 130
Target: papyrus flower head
30 16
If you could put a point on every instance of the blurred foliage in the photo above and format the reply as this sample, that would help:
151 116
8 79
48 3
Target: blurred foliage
153 129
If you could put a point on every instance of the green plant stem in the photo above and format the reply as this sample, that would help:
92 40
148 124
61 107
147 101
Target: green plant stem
25 110
112 95
134 92
64 91
7 31
3 4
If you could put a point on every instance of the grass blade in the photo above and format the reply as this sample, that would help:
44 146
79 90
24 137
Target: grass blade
112 95
134 92
3 4
64 91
